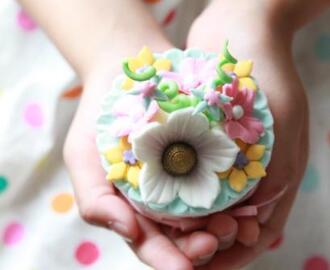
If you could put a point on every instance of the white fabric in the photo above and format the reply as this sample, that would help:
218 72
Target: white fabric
33 74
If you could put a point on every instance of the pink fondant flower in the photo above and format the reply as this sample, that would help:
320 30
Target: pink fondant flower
192 73
239 120
131 115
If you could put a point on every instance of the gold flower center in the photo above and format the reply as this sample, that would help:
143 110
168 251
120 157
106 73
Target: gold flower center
179 159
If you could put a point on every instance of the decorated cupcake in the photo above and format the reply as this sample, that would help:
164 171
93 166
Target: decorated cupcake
185 133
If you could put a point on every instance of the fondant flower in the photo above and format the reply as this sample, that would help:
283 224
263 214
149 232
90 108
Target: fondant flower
247 165
239 120
124 165
242 70
181 158
143 59
210 102
131 115
192 73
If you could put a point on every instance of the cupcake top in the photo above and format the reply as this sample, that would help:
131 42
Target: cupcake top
185 133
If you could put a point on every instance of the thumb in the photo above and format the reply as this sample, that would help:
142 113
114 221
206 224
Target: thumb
97 201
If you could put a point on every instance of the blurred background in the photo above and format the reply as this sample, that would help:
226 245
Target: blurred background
40 227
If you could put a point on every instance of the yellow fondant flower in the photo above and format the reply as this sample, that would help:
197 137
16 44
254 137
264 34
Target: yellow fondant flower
243 71
247 165
145 58
124 165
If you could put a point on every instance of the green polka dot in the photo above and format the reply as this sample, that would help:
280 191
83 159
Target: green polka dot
322 47
311 179
3 184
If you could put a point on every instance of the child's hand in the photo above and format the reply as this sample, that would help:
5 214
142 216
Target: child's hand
252 35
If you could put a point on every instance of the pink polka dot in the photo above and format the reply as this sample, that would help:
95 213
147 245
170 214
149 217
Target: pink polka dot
316 263
33 115
13 234
169 17
87 253
25 22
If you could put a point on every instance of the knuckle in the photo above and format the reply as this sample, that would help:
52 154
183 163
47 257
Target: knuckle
87 212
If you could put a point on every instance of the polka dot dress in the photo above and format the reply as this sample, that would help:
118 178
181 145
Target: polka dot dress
40 227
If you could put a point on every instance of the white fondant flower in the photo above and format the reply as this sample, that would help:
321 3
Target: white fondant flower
198 153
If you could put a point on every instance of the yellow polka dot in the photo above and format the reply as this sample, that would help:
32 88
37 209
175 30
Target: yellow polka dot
62 202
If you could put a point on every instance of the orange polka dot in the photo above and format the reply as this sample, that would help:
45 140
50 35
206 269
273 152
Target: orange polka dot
62 202
73 93
169 17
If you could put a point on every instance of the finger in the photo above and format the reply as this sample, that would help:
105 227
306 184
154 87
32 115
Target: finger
198 246
225 228
191 224
184 224
97 201
239 255
248 231
156 250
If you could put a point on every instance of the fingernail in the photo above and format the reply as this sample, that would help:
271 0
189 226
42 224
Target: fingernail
226 241
121 229
128 240
202 260
265 213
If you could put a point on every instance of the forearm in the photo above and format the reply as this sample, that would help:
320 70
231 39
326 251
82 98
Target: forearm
88 32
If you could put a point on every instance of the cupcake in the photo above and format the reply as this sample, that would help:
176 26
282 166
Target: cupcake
185 133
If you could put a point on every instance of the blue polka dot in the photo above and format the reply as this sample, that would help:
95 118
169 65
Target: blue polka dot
311 179
322 47
3 184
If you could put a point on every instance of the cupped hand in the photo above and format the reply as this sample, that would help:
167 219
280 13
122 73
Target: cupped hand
252 35
100 204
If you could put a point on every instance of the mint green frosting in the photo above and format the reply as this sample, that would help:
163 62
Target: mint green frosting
227 197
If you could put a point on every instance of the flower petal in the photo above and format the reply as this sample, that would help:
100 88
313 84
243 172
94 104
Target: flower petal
156 186
114 155
217 150
229 67
127 84
121 126
237 180
134 64
152 111
243 129
248 83
146 56
255 152
243 68
255 169
162 64
254 128
225 174
183 124
200 189
117 171
133 174
148 143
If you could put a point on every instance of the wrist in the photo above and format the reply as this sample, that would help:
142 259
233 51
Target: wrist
108 62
